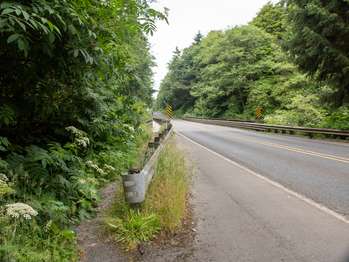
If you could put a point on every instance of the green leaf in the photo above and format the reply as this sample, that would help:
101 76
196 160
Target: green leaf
25 15
50 25
22 25
7 11
23 45
6 5
12 38
72 30
3 164
4 141
51 38
68 234
76 53
18 11
3 22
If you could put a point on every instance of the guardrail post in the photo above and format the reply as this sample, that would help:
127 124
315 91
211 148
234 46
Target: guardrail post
156 141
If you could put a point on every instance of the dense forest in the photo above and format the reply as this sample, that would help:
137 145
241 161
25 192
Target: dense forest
291 60
75 92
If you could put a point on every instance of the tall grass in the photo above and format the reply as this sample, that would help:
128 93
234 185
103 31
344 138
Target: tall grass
168 191
164 207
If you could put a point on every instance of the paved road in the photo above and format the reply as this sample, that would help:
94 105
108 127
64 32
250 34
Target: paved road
243 217
316 169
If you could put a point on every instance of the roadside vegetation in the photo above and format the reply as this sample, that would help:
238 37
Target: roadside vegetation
75 89
164 208
291 60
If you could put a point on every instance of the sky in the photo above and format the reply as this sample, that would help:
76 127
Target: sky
188 17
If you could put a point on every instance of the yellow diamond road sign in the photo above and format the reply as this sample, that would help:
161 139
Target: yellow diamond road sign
169 111
259 112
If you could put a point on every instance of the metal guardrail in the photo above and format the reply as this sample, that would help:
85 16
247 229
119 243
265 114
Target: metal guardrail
136 185
160 117
327 132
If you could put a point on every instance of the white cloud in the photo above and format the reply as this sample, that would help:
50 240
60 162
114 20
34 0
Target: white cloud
187 17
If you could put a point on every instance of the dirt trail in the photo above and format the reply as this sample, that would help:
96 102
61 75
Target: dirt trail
94 245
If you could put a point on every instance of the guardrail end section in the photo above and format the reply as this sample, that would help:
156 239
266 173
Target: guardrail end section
129 183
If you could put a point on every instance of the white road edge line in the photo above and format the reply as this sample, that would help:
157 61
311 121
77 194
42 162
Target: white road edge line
273 183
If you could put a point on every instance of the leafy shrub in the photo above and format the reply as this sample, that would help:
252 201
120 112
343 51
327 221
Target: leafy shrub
338 119
75 84
26 241
303 111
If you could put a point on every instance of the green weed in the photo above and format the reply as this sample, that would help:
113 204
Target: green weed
136 227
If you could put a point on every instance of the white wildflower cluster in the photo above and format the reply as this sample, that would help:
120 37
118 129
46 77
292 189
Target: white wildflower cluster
3 177
82 181
4 187
83 141
91 181
87 181
75 131
105 2
109 168
95 167
80 136
20 210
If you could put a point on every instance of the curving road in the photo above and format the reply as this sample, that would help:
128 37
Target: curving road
314 168
267 197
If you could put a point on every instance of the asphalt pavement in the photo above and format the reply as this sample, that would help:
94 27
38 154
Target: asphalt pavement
267 197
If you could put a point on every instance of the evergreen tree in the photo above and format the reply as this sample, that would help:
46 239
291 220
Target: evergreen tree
198 38
176 52
319 41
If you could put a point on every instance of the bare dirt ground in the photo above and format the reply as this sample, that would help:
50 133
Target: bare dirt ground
94 244
171 247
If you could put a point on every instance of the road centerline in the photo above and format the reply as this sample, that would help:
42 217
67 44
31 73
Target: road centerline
300 150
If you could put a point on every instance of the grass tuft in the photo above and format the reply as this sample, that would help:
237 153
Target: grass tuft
134 228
